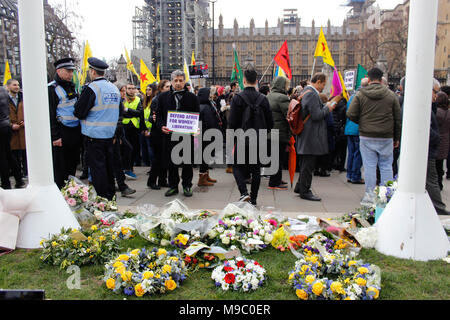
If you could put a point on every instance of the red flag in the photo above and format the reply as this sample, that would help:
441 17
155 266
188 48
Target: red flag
283 60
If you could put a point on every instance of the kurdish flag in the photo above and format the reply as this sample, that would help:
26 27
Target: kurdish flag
84 64
146 77
237 74
7 75
130 65
158 76
322 50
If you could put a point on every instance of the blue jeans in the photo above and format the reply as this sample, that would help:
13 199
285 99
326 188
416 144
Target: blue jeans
146 149
354 161
376 152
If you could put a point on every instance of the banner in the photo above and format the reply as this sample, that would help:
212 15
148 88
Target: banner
283 61
183 122
146 77
349 79
323 51
7 75
130 65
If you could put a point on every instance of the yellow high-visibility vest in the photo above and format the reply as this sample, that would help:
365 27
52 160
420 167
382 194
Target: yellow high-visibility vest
132 105
147 115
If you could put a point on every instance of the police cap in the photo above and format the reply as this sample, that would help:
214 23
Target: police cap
66 63
97 64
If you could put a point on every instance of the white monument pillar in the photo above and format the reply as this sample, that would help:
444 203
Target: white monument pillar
52 211
409 226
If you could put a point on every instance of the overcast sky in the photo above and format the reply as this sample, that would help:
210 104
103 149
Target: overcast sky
107 24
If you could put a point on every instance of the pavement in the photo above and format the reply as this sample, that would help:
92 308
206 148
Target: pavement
338 196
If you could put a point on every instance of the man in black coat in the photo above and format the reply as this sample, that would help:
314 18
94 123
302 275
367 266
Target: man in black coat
177 99
260 118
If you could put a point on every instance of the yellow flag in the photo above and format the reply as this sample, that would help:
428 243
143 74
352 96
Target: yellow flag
130 65
7 73
146 77
344 89
323 51
186 71
158 76
193 59
85 65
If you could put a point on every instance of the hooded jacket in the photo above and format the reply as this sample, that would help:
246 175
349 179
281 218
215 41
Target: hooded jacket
209 115
377 111
279 104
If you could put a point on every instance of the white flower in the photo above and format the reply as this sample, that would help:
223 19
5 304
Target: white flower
225 286
268 238
165 242
226 240
262 232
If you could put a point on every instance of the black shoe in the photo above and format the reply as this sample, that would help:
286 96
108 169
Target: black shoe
316 173
253 202
163 184
310 197
358 182
20 184
324 174
187 192
128 191
171 192
244 198
154 187
443 212
297 188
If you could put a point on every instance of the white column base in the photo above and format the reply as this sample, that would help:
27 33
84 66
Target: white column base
49 213
409 228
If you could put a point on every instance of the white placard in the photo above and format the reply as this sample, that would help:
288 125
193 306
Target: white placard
183 122
349 79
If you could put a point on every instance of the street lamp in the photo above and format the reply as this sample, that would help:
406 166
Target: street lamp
213 43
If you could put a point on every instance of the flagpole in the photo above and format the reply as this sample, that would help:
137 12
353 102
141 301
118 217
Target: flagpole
314 65
266 70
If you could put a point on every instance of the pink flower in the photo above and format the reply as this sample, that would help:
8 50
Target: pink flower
72 202
273 222
256 232
72 191
85 198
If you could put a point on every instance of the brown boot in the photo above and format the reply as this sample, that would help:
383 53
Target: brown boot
229 169
203 180
208 178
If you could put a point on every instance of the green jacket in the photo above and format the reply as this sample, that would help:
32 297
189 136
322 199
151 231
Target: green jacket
377 111
279 104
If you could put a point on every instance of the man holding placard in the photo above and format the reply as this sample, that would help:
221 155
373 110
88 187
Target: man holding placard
178 112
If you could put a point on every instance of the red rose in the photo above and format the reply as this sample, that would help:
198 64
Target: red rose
229 278
241 264
228 269
187 259
195 260
257 264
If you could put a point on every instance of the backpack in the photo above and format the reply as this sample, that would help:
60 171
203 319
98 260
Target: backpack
294 115
253 116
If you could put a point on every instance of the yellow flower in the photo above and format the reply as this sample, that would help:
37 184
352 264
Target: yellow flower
347 298
125 230
170 285
305 268
90 257
201 265
291 276
173 258
126 276
166 268
314 259
317 288
351 262
89 238
123 257
75 242
147 275
360 281
113 237
102 238
310 279
94 228
41 242
54 243
138 290
135 252
343 271
120 270
301 294
363 270
158 276
160 252
336 287
371 291
111 283
117 264
152 265
88 250
74 230
347 280
80 246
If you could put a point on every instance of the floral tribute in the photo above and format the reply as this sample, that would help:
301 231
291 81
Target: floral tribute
201 260
73 247
334 277
239 274
76 195
142 271
100 205
383 194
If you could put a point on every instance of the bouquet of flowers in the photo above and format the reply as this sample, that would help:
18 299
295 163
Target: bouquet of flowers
100 205
70 246
383 194
201 260
239 274
77 194
141 272
350 279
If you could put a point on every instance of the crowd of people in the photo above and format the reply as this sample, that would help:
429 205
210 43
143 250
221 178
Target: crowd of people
108 129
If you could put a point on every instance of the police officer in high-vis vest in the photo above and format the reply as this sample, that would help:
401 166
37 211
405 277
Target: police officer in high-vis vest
98 110
133 128
64 126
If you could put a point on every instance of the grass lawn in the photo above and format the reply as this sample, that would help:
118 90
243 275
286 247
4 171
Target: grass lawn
401 279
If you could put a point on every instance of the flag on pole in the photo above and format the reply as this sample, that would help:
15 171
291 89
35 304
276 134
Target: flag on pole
322 50
283 60
344 88
85 65
7 74
336 85
130 65
279 72
158 76
76 81
361 73
146 77
237 74
193 59
186 72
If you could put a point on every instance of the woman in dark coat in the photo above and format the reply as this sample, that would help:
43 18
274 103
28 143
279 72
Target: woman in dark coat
443 119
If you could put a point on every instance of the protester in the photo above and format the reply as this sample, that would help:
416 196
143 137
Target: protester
98 110
249 110
313 140
324 164
145 136
17 125
64 125
377 111
354 161
443 120
210 118
338 156
7 162
279 105
132 128
177 99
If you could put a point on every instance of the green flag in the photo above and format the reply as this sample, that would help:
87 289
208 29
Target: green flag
76 81
360 74
237 74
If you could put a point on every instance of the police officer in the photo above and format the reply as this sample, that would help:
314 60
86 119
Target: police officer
64 126
98 110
